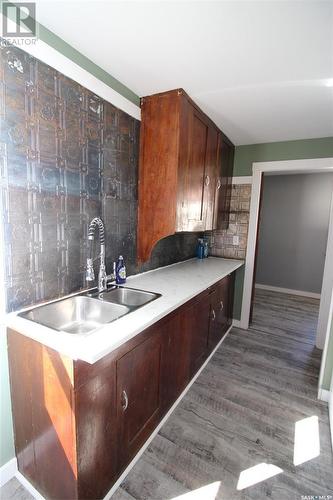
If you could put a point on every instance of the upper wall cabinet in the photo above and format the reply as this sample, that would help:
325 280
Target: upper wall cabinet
184 170
222 202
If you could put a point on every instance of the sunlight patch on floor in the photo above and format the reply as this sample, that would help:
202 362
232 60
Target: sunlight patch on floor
306 443
257 474
208 492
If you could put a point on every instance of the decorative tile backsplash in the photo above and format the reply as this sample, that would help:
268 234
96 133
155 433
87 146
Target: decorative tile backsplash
66 156
232 242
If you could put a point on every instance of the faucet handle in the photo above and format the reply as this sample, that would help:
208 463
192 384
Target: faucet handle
90 275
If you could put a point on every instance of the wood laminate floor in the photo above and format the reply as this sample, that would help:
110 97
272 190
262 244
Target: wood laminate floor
236 425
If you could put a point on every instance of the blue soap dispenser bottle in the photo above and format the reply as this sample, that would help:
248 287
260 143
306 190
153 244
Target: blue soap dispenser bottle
120 271
200 248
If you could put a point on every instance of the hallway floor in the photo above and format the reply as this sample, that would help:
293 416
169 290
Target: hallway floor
233 435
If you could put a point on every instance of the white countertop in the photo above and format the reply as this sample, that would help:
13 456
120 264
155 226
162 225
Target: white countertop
177 284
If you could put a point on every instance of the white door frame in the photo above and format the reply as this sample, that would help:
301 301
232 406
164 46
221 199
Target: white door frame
327 287
324 394
325 326
316 165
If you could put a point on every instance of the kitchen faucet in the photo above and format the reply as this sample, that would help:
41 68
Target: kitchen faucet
90 275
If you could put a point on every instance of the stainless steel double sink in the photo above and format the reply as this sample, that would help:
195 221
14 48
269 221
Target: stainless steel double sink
86 312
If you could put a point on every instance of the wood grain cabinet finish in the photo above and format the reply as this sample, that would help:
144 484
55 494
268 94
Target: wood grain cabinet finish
181 172
220 313
77 425
138 395
198 318
176 339
96 435
222 201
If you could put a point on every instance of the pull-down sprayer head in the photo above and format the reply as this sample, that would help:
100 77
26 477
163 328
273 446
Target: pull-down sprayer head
90 275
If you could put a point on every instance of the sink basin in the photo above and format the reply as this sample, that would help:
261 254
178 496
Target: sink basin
129 297
86 312
77 314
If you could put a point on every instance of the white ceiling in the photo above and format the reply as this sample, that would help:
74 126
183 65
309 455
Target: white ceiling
262 70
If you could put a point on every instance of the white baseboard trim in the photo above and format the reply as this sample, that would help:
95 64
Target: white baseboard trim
236 323
242 179
324 395
8 471
287 290
28 486
165 418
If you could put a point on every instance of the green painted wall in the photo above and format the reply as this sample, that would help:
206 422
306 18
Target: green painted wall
275 151
6 432
74 55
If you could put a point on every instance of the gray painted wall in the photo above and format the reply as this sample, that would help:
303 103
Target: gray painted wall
293 231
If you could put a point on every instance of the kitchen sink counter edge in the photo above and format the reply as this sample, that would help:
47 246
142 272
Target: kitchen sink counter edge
177 284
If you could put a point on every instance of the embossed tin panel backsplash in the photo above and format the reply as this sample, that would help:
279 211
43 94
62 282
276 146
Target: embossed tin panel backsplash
66 156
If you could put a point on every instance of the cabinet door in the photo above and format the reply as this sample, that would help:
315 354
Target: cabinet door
138 395
96 431
213 177
226 161
175 358
158 167
197 323
220 188
196 182
220 319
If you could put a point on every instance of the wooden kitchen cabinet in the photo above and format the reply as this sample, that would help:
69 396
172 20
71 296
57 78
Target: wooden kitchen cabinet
220 314
181 174
138 395
78 425
194 193
213 177
175 356
198 318
96 433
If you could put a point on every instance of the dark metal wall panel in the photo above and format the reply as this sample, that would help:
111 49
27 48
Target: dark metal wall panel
66 156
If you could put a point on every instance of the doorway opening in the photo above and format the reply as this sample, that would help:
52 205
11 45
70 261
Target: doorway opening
290 254
318 165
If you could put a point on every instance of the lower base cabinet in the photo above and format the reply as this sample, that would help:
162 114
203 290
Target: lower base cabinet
198 325
77 426
175 372
221 310
139 402
95 421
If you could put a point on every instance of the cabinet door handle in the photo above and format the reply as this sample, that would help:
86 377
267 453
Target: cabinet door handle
124 398
207 180
213 315
218 185
221 305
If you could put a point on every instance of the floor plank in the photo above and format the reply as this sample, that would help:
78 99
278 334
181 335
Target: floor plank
241 413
